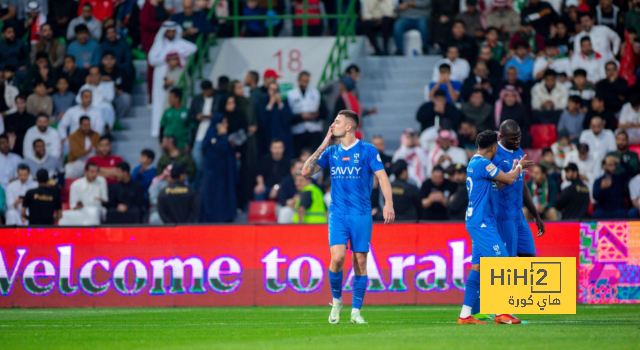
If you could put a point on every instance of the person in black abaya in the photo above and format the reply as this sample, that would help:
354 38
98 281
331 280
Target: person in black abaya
218 193
509 106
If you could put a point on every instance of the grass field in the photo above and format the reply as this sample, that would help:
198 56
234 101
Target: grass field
390 327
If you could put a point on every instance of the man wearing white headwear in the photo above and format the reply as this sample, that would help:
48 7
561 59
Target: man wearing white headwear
103 93
168 39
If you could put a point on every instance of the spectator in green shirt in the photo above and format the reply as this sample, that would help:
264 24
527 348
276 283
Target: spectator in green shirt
627 161
171 154
175 121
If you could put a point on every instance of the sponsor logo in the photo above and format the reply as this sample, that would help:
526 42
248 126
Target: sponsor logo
346 159
353 172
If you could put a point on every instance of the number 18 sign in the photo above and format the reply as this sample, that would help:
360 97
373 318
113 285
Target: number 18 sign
528 285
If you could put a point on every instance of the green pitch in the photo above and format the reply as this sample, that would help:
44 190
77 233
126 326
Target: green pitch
390 327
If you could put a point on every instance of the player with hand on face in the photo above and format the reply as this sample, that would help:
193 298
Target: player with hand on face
353 164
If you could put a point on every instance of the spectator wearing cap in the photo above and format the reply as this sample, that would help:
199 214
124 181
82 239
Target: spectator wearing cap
15 194
446 152
177 203
122 83
582 88
92 25
42 131
614 89
438 109
268 76
274 118
591 61
126 198
600 140
540 14
548 99
472 20
552 59
145 172
563 149
598 109
572 118
412 15
609 192
43 202
54 49
13 51
502 16
202 108
604 40
459 68
416 157
533 40
480 79
574 199
406 197
466 44
630 117
459 200
84 49
626 160
522 62
478 111
543 193
435 194
119 48
451 88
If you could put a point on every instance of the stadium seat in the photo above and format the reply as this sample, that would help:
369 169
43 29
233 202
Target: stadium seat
544 135
635 148
64 193
262 212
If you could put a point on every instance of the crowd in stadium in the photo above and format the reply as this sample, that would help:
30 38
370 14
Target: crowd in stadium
564 70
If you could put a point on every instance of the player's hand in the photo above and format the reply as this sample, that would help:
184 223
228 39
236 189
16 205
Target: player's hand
540 225
388 214
327 139
526 163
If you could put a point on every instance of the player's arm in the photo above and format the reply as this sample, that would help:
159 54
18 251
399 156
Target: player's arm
510 177
528 202
385 186
311 166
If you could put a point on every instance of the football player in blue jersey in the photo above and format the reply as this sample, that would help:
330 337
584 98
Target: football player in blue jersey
353 164
483 178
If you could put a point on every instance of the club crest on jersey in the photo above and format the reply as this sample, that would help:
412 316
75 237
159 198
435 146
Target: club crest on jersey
356 157
346 159
497 249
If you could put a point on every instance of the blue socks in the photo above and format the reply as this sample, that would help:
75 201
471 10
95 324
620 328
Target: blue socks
359 288
335 280
472 289
476 307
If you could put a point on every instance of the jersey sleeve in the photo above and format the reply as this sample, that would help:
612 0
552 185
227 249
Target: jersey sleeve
502 163
323 161
488 170
375 162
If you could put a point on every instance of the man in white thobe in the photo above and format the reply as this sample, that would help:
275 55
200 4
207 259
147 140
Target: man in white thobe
600 140
43 132
306 125
70 121
86 197
15 195
446 153
103 93
8 162
603 39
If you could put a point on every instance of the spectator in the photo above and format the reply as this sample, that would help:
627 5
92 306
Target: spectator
497 48
627 163
428 138
61 13
256 95
458 67
435 194
548 162
543 194
509 106
42 131
175 122
609 192
446 153
102 95
82 145
548 99
177 203
275 117
42 160
286 189
152 16
202 109
13 52
522 62
630 117
534 42
91 24
552 59
459 200
523 88
314 26
562 38
173 155
8 162
602 37
591 61
54 49
609 15
253 28
145 172
574 199
85 199
269 76
502 16
39 102
466 45
309 207
472 20
15 194
377 17
632 17
9 73
272 169
597 109
406 197
540 14
480 79
122 81
218 193
126 198
41 71
193 22
451 88
106 161
563 149
43 202
84 49
412 15
572 118
600 141
347 100
589 168
378 142
306 125
613 88
8 94
18 123
438 109
70 121
8 11
444 13
582 88
119 48
415 156
74 75
478 111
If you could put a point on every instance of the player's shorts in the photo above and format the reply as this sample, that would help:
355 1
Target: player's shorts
511 232
486 242
354 229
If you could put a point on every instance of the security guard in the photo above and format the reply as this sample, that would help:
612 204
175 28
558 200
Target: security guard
310 208
178 203
406 197
574 200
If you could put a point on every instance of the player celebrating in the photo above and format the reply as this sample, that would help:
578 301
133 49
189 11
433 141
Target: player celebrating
481 218
353 163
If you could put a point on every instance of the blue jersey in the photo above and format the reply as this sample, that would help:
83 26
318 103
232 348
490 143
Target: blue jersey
510 197
483 192
351 176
